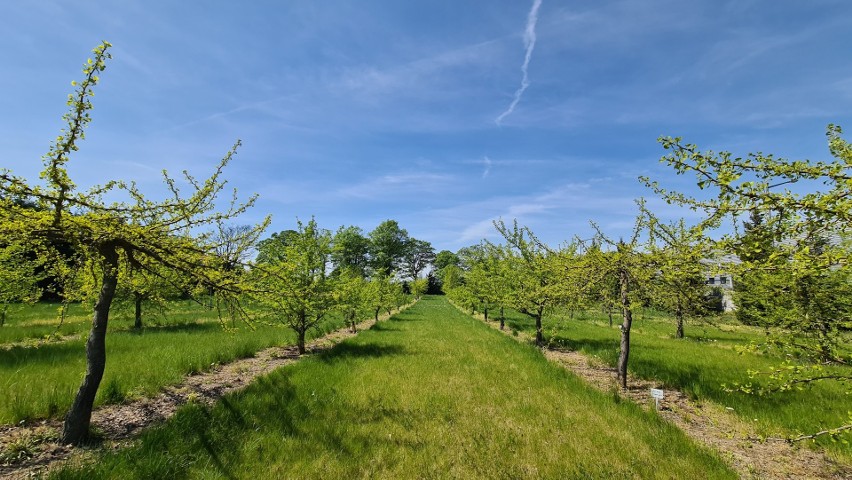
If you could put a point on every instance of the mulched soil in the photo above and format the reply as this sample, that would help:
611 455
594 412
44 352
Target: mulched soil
28 449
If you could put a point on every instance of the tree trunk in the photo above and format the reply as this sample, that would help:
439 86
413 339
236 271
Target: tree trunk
627 316
3 314
378 309
502 319
137 322
679 317
485 311
609 311
539 337
76 428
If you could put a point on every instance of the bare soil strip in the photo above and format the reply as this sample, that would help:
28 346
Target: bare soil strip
27 450
735 440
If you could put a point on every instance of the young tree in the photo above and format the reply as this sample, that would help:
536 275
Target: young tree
419 287
293 286
678 284
155 286
741 185
380 294
349 295
632 267
144 232
534 285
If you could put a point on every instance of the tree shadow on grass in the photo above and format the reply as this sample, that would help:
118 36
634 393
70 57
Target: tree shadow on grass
180 327
52 353
349 350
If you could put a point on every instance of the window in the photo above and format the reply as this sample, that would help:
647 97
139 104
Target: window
723 280
711 280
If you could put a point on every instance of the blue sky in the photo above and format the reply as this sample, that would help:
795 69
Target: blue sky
357 112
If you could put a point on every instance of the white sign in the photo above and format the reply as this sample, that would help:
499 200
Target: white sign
656 393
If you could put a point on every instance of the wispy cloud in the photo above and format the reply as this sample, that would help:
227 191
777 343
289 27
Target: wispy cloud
386 186
529 44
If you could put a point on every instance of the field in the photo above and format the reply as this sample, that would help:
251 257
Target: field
431 393
700 365
39 380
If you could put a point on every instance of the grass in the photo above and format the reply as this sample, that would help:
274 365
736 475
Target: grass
700 365
41 382
429 394
26 322
40 320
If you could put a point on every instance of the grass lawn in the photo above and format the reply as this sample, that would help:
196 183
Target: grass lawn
699 365
41 382
431 393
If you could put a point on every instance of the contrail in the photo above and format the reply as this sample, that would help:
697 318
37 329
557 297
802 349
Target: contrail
487 162
529 43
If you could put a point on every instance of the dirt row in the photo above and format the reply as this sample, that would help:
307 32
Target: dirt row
713 425
28 450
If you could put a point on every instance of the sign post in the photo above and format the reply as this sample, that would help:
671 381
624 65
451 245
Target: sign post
657 394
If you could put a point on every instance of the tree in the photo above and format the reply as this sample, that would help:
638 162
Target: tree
632 267
349 295
534 285
154 286
270 250
142 232
417 255
678 284
351 249
756 290
380 294
293 285
233 244
419 287
387 247
486 278
820 209
445 258
444 261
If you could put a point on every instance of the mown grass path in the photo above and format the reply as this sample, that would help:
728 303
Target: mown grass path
705 421
432 393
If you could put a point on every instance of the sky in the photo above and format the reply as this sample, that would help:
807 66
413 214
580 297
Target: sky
443 115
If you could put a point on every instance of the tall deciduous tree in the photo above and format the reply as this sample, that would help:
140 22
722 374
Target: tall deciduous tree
387 247
144 232
351 250
417 255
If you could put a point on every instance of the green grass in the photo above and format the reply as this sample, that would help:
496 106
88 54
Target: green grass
40 320
37 321
430 394
699 365
41 382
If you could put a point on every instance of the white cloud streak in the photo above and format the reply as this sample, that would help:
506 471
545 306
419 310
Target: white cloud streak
487 162
529 44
